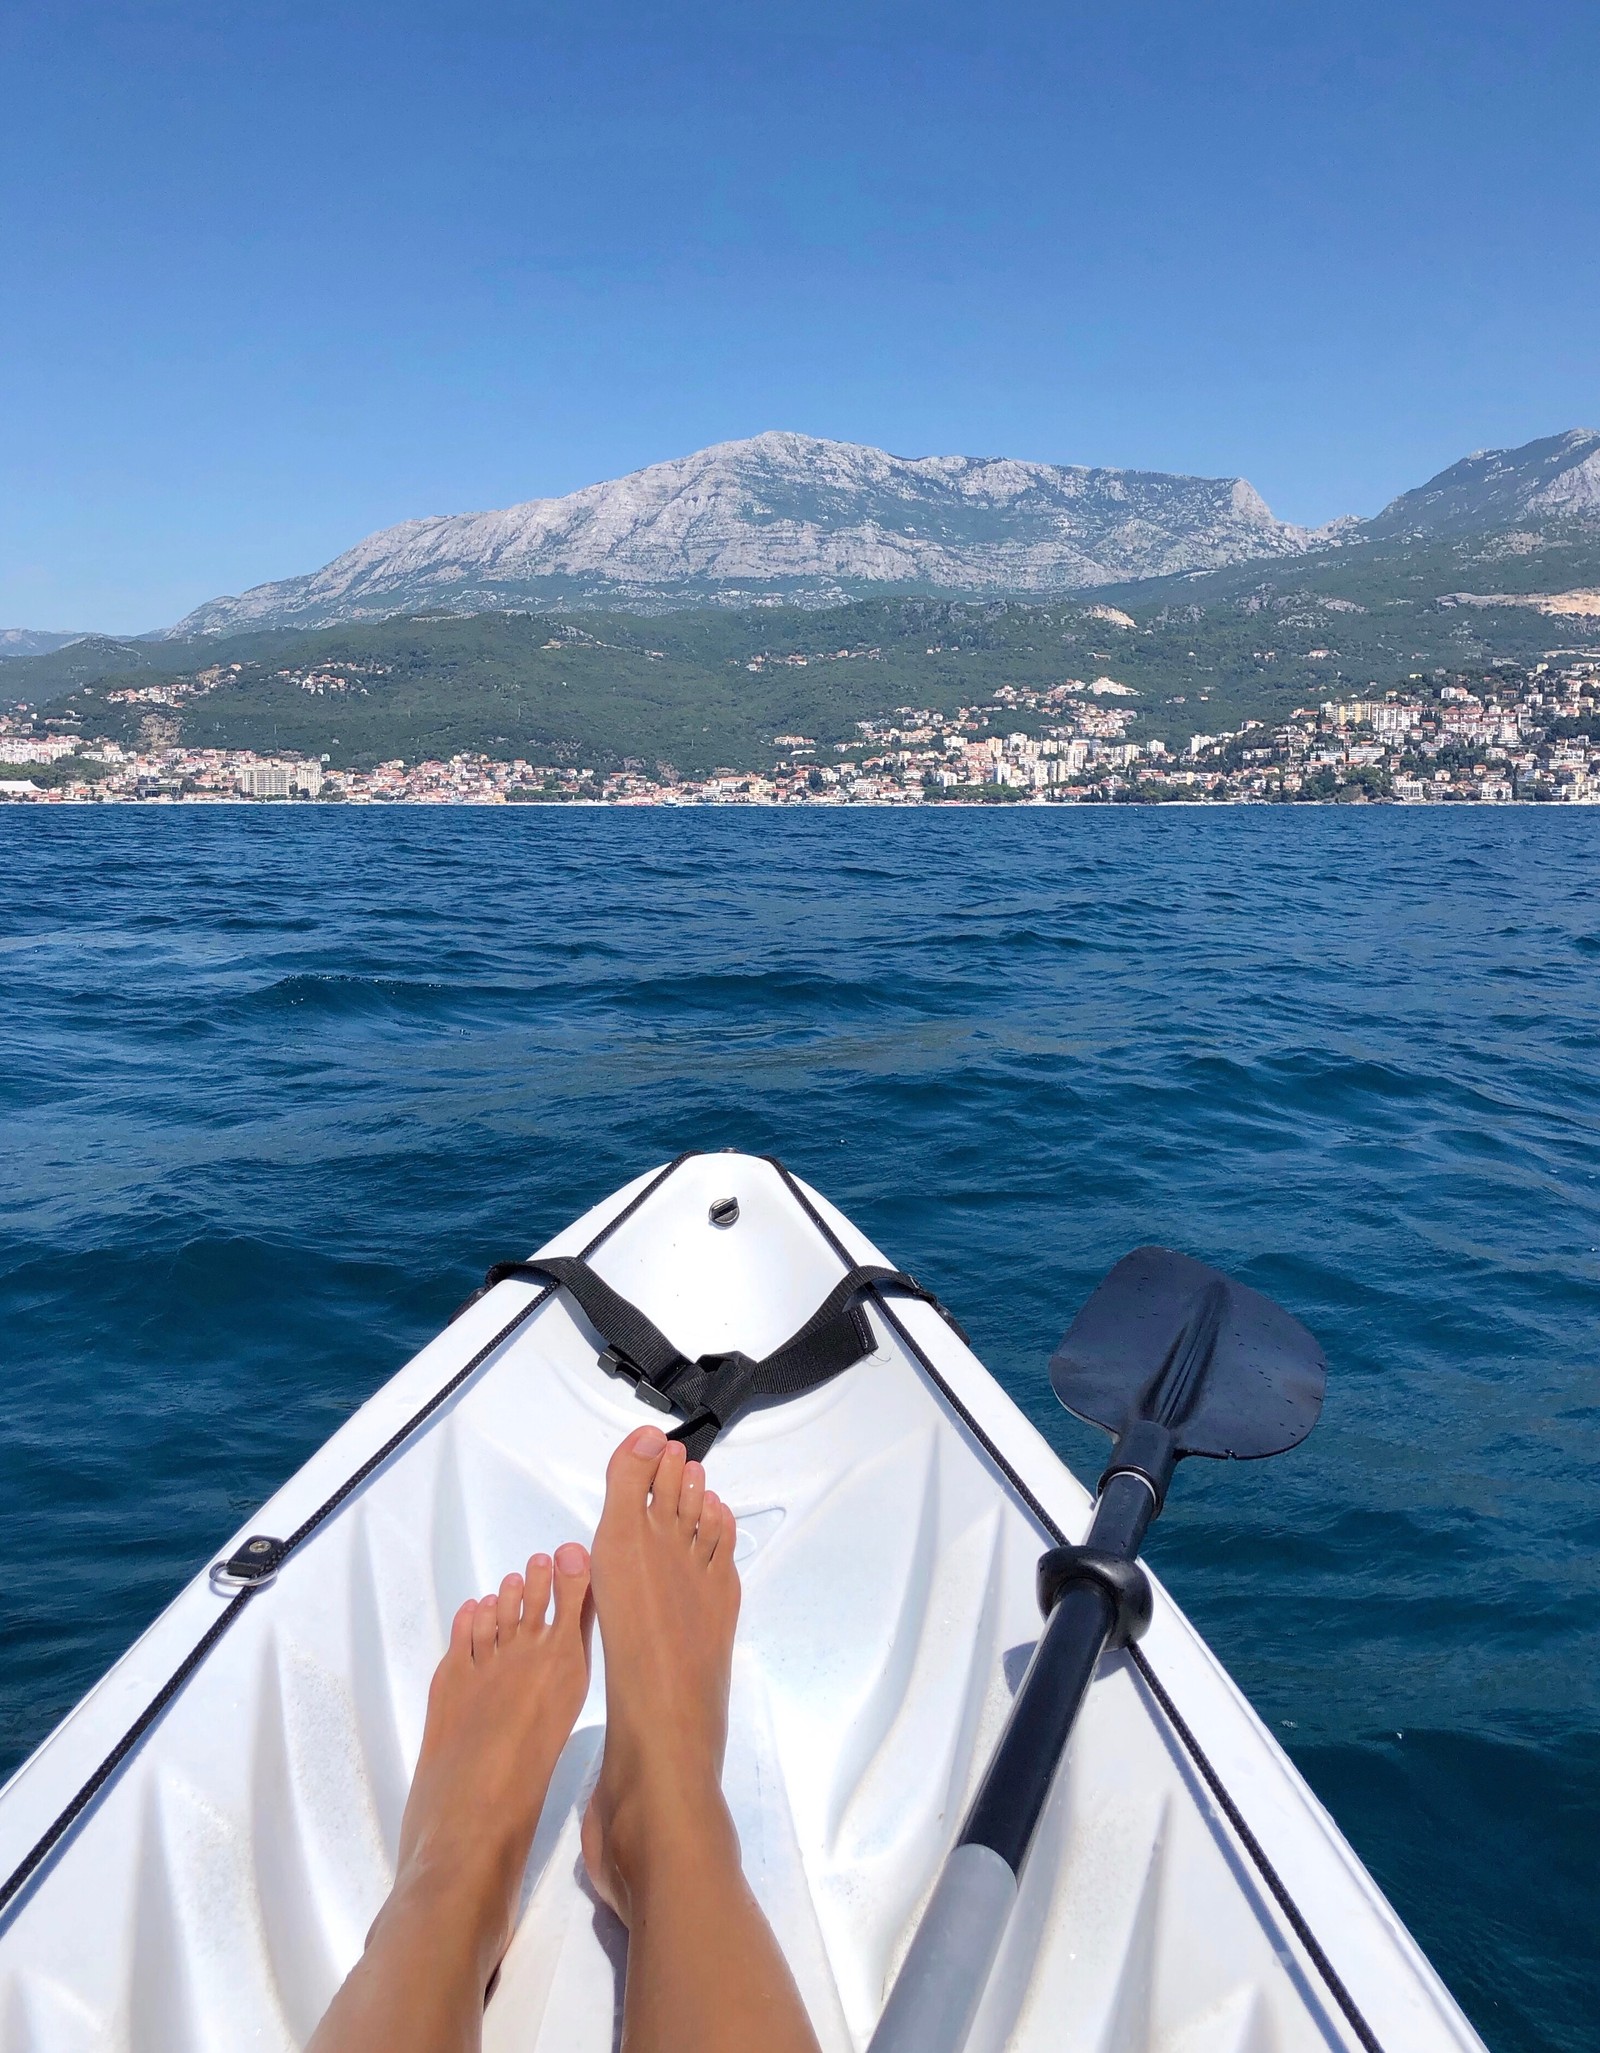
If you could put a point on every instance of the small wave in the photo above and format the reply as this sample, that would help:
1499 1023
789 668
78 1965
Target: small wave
251 1159
331 996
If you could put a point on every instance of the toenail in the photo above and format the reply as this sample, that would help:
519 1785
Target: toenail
541 1560
571 1559
649 1441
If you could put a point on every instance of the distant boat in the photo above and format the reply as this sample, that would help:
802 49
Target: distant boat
1185 1892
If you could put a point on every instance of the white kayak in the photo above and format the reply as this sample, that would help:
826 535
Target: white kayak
1185 1892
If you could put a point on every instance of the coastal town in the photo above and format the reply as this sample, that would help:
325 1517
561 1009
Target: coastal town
1507 736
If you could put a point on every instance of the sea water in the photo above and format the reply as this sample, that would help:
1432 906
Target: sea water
277 1083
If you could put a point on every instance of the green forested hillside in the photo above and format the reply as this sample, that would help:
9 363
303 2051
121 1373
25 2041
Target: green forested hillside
713 687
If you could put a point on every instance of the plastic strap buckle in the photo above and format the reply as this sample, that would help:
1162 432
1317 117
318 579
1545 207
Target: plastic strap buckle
616 1363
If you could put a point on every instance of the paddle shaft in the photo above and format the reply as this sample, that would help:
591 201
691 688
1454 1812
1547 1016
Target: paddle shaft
942 1980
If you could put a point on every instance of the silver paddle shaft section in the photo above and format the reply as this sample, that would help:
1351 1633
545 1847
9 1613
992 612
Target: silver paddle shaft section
943 1977
942 1980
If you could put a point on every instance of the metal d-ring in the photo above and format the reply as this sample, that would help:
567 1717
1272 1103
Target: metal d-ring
252 1567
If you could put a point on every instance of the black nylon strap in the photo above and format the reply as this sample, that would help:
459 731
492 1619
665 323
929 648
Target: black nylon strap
710 1391
638 1343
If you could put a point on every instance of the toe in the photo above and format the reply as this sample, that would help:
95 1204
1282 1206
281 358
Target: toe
572 1583
723 1537
484 1622
691 1497
705 1539
508 1610
668 1485
574 1599
536 1601
460 1648
632 1469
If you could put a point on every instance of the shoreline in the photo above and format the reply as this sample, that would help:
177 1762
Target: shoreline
190 801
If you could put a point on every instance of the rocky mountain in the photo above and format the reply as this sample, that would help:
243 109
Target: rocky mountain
790 517
16 642
785 517
1550 484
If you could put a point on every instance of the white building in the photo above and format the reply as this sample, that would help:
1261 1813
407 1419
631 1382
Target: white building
280 780
35 749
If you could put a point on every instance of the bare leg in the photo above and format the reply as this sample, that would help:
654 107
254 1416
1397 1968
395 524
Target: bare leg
502 1704
704 1971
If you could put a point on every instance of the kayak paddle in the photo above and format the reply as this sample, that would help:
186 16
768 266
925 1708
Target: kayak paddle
1171 1358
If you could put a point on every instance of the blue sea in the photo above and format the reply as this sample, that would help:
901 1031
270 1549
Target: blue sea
277 1084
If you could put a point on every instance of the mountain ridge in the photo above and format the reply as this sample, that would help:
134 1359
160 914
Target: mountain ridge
18 643
1555 478
787 517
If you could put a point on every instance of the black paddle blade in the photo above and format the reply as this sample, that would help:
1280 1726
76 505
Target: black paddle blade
1221 1368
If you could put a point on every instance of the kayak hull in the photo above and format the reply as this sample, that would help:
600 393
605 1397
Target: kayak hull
219 1888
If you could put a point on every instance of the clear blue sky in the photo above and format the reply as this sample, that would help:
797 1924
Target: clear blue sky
277 274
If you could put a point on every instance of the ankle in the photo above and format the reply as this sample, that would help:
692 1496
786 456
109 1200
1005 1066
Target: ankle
669 1837
458 1882
440 1910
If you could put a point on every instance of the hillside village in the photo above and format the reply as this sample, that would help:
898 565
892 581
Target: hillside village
1511 735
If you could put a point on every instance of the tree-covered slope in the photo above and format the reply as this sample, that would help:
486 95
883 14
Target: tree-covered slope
718 687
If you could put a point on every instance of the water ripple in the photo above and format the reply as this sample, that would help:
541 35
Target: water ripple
276 1085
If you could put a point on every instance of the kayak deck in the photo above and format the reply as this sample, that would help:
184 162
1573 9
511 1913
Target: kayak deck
219 1889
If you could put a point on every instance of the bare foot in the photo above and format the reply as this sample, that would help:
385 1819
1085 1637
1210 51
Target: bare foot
667 1594
502 1703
